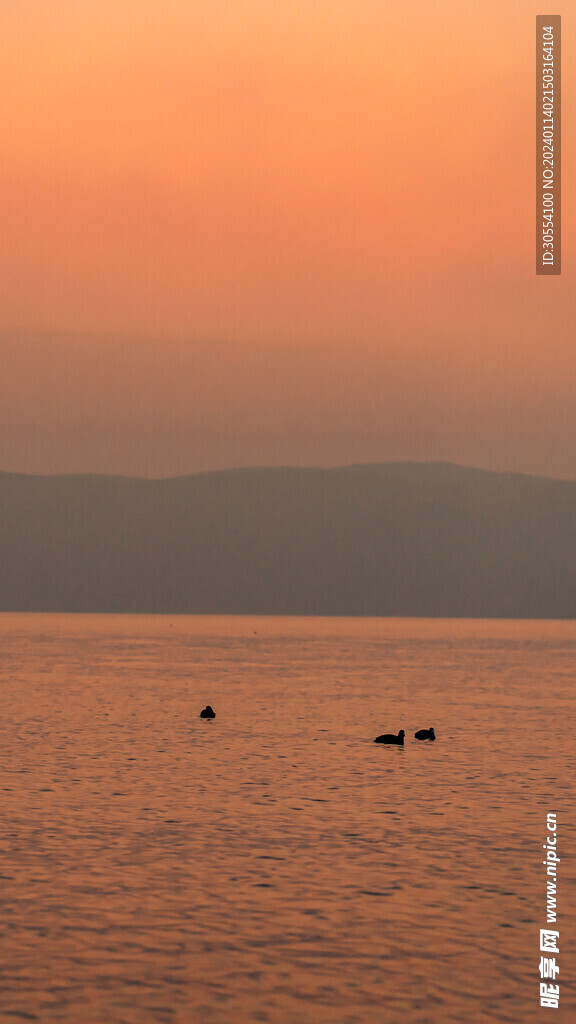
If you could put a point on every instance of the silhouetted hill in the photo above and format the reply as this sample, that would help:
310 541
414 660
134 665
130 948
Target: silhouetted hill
394 539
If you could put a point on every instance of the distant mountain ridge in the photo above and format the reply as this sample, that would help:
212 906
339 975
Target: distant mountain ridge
405 539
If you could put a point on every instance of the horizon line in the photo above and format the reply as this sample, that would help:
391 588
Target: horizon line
266 467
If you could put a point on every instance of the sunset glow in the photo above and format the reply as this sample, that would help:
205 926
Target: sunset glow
339 175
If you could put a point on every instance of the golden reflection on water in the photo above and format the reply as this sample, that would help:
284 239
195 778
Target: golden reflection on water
276 865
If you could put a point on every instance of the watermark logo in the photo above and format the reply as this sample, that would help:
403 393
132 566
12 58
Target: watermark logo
548 139
550 993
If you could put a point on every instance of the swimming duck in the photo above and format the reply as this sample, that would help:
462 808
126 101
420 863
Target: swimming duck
208 712
390 738
425 734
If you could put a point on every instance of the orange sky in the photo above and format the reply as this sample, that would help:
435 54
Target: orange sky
343 180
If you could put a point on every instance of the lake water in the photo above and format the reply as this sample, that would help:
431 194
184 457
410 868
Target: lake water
275 864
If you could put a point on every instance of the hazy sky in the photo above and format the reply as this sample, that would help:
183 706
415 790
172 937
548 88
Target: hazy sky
310 226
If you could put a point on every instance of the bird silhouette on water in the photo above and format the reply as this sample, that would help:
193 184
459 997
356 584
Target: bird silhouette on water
389 737
208 712
425 734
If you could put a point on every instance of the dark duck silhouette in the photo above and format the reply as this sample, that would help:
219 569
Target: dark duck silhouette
208 712
389 737
425 734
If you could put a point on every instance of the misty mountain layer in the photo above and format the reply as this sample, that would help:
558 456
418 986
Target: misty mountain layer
401 539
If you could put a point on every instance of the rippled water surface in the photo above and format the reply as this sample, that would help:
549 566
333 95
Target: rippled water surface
276 865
